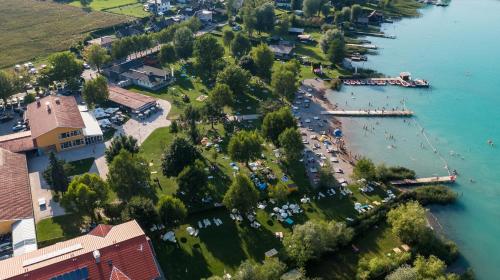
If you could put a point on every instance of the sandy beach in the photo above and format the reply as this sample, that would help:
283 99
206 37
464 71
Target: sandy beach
313 125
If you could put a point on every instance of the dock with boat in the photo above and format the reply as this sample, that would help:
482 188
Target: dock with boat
404 80
369 113
426 181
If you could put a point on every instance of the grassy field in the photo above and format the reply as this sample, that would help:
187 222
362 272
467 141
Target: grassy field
133 10
100 5
31 29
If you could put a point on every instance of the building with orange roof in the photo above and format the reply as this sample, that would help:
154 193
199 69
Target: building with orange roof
107 252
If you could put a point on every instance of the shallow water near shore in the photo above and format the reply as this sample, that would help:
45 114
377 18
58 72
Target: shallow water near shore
456 49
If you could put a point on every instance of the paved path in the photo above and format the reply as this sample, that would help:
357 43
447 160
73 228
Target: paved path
40 189
141 129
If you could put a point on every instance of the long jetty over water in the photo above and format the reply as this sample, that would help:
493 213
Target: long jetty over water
369 113
425 181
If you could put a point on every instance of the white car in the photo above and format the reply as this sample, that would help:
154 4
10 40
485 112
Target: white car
308 120
316 118
309 95
313 170
334 159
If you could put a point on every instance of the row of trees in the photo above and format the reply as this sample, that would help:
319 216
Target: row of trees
128 177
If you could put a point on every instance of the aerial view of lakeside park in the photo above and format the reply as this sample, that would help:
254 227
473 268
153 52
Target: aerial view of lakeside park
264 139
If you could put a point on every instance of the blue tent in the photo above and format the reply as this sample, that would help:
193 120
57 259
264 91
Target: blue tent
337 133
262 186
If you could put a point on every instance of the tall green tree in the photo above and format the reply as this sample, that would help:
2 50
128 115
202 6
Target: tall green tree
96 56
240 45
408 221
56 174
278 192
96 91
235 77
329 36
171 210
275 123
141 209
221 95
264 60
291 142
336 51
183 42
118 143
310 240
241 195
227 37
356 12
245 146
285 83
63 67
283 26
86 193
192 182
364 169
212 112
265 17
177 156
208 53
249 17
7 86
311 7
167 54
270 269
129 175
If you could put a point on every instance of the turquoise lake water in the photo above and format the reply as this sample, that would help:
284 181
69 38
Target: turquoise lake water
457 49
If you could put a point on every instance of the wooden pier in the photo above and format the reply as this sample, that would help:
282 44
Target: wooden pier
369 113
425 181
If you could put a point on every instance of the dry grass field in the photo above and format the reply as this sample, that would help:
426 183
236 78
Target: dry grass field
32 28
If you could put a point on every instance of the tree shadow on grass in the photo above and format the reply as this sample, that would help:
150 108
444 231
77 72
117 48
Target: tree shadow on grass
258 241
179 264
223 242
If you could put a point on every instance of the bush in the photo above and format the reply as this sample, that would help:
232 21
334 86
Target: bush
370 268
432 194
386 174
430 244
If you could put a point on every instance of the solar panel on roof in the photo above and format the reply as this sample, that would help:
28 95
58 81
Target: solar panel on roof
85 273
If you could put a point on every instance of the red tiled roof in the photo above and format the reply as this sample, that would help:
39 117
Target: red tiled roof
129 99
15 193
125 247
101 230
117 274
17 142
63 113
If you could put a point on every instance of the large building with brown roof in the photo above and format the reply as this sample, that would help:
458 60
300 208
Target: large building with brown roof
15 194
129 100
107 252
56 123
17 225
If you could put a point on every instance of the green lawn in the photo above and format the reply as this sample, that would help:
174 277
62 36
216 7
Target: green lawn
56 229
80 166
100 5
133 10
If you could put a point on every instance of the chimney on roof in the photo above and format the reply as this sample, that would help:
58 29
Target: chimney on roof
38 102
48 107
58 101
97 256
